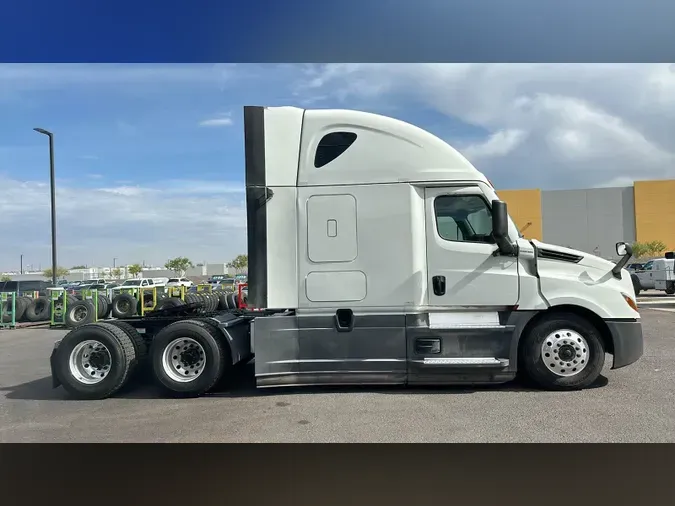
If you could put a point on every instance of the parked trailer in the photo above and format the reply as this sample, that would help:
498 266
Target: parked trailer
377 255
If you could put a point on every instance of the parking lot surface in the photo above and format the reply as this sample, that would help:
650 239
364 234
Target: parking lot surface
634 404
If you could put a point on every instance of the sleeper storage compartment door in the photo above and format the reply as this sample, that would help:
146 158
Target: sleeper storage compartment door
330 347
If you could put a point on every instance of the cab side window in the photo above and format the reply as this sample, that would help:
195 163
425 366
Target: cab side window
465 218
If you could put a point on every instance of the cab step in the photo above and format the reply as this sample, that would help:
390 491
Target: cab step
466 361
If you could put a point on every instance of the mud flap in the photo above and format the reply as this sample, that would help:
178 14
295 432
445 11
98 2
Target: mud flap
52 361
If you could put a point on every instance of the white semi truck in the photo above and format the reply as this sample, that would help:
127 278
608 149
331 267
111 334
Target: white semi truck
378 255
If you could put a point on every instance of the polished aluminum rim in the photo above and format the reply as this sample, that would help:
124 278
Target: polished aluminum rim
565 352
90 362
183 360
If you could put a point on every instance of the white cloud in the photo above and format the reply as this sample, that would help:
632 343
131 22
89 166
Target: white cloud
204 220
549 125
217 122
498 144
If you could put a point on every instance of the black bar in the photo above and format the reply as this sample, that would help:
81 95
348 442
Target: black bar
53 195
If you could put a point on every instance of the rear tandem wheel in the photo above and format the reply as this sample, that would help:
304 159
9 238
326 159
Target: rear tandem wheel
189 358
94 361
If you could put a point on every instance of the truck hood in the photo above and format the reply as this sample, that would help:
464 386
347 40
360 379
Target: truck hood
587 259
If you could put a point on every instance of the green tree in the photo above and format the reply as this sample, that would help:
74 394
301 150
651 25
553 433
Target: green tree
116 273
79 267
60 272
648 249
135 269
179 265
239 264
656 248
640 249
5 277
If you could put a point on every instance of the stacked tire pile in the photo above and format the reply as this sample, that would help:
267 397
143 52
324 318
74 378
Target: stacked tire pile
27 309
126 305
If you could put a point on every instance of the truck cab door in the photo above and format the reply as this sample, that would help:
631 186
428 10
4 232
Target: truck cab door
464 267
471 287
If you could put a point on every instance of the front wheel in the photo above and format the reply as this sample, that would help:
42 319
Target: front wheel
562 351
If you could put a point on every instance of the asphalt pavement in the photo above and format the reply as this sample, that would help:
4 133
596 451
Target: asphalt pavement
634 404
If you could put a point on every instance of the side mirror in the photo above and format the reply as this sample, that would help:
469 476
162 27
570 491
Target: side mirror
500 227
623 249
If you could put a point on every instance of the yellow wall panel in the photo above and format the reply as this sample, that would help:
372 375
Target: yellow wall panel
655 211
525 207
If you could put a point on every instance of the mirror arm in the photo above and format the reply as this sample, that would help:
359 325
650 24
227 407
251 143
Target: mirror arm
505 247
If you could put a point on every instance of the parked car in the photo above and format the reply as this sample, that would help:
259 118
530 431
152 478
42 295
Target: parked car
24 287
93 286
646 276
97 281
135 283
179 282
160 281
221 283
71 285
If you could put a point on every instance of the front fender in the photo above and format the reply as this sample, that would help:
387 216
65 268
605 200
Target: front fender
566 300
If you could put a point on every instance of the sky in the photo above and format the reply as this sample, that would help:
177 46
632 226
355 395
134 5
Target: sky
150 162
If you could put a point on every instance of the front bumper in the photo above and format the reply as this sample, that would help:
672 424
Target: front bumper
627 340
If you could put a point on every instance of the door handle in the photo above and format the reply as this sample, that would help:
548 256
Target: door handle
438 283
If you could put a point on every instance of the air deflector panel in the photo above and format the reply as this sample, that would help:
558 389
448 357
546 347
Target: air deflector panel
256 208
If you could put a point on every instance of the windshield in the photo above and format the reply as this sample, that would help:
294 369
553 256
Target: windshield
132 282
173 280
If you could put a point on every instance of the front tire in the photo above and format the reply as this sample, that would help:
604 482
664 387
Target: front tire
189 358
562 351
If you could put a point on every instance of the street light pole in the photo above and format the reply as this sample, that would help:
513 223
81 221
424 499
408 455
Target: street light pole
53 197
21 268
